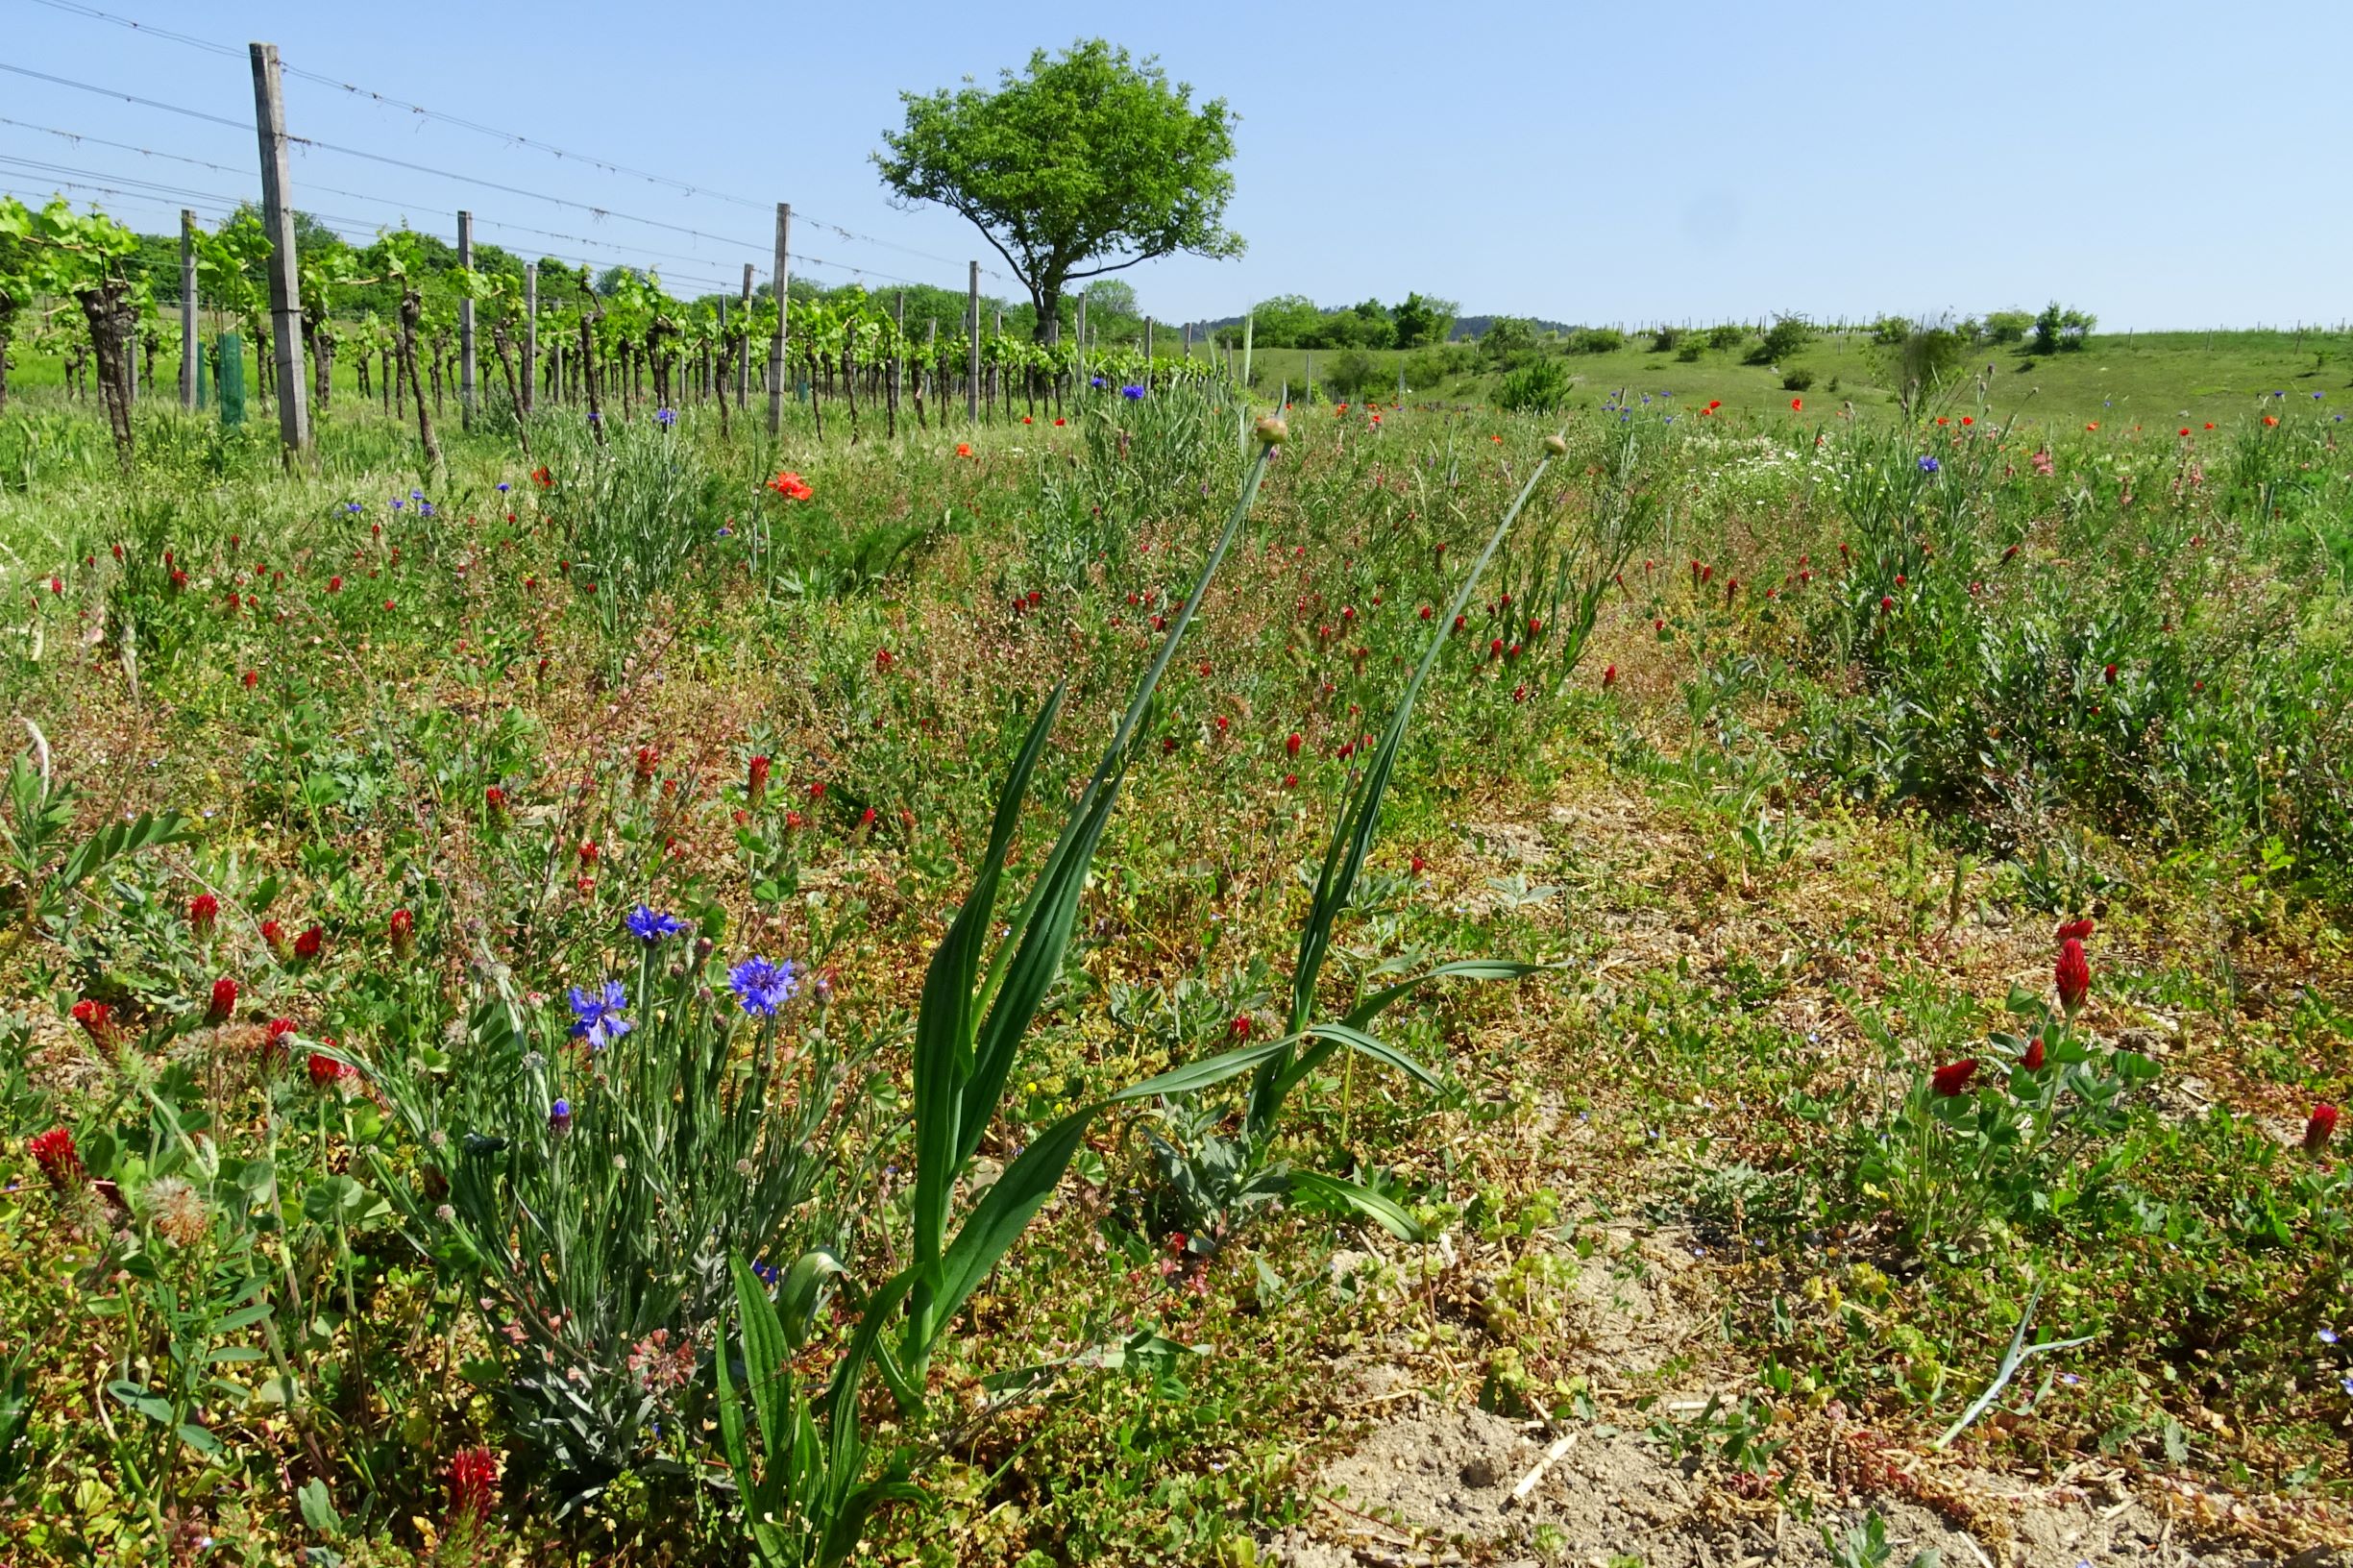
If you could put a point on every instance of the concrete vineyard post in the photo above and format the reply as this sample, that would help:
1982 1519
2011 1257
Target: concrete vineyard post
531 334
465 324
188 310
278 222
1147 344
776 344
1081 360
971 367
996 377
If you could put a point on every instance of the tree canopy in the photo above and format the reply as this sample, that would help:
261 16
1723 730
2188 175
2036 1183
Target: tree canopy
1086 162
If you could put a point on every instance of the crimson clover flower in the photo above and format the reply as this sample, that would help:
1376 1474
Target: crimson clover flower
1952 1078
596 1017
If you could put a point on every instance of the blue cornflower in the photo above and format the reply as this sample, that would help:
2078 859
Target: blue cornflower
2348 1382
505 487
665 416
398 503
649 926
594 418
725 533
1095 382
354 506
1131 393
595 1017
416 494
559 1118
761 986
2328 1337
765 1271
1928 465
425 508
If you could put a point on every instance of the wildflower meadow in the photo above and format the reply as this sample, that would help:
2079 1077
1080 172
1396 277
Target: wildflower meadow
1075 950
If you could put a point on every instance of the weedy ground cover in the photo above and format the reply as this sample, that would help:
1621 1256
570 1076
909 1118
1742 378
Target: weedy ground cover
687 998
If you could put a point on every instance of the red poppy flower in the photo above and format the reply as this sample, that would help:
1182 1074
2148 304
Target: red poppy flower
963 448
789 487
540 478
1798 403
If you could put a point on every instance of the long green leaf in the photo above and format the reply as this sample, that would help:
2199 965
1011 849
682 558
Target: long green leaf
1352 834
1003 1213
1330 1036
767 1363
1382 1211
1039 938
944 1024
1467 968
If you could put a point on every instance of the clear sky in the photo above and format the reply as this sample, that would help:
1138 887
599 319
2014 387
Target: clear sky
2163 165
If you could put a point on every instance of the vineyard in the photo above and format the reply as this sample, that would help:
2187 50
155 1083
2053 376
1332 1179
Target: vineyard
815 925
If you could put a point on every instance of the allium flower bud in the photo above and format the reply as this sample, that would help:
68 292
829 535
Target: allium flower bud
1557 445
1273 432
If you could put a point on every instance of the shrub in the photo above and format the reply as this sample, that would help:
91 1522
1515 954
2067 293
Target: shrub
1664 339
1797 381
1595 340
2057 329
1727 336
1538 387
2007 326
1784 337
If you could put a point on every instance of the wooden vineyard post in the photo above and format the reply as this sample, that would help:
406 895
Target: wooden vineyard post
971 367
899 356
996 377
278 222
1079 375
776 344
1147 345
188 310
742 361
530 335
922 372
465 324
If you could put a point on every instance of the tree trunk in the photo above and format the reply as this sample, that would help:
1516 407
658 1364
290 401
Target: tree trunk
588 377
412 309
504 341
114 324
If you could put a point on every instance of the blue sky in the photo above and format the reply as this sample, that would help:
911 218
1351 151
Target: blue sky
2162 164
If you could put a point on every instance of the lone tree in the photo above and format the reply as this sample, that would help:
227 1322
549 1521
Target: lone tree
1087 163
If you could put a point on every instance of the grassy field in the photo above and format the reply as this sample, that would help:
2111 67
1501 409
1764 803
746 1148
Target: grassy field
2154 380
1897 875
